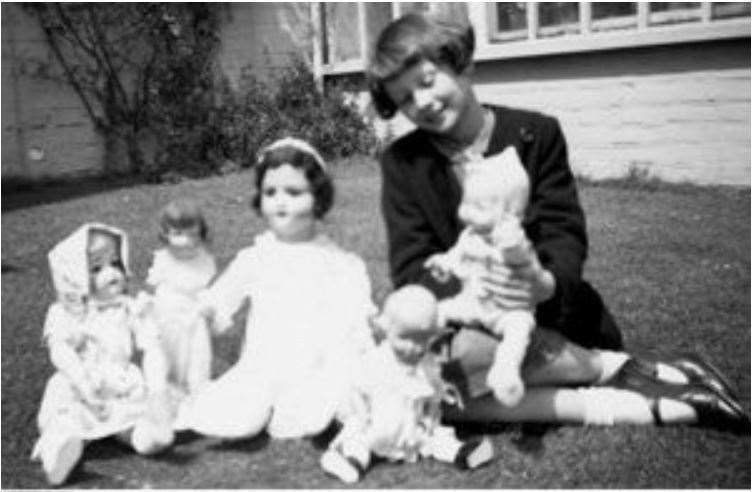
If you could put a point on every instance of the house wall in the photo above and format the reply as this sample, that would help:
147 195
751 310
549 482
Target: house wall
46 132
254 36
45 129
680 112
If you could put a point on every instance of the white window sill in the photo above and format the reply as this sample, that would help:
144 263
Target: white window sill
605 40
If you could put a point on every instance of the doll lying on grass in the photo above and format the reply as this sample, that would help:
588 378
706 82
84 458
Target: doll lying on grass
394 409
495 195
93 331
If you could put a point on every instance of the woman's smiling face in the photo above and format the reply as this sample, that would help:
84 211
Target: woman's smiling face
431 96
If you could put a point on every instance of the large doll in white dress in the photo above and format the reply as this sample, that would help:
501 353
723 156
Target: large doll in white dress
393 410
179 271
93 332
309 307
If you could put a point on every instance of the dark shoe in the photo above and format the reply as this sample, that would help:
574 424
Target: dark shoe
702 372
714 408
694 368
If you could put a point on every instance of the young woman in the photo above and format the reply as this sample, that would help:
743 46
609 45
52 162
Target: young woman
421 67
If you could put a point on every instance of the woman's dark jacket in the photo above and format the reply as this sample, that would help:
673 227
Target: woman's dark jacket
420 198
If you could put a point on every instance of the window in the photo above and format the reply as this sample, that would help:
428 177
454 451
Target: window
512 29
535 28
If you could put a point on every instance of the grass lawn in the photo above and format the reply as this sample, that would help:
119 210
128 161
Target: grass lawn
673 264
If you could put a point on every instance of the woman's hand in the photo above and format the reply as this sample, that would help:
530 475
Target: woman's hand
518 286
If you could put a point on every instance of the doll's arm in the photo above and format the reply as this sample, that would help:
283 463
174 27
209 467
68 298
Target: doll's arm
64 357
224 297
442 265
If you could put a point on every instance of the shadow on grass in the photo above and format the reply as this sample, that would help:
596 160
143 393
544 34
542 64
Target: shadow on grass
250 445
18 194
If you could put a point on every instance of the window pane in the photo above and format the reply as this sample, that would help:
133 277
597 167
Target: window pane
665 6
557 13
721 10
603 10
342 31
511 16
674 12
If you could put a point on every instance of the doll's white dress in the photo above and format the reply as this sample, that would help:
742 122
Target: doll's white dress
308 319
183 333
400 414
104 338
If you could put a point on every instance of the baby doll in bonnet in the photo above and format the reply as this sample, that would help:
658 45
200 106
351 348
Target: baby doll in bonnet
394 409
495 195
93 331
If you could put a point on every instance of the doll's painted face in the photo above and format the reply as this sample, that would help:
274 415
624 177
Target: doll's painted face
183 243
483 204
432 96
106 271
287 203
409 321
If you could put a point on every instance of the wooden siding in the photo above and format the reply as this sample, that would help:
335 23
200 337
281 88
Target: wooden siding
45 129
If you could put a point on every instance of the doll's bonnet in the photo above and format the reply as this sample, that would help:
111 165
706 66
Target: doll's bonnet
69 264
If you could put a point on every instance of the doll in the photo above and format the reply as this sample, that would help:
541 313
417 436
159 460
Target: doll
495 194
93 331
178 273
394 408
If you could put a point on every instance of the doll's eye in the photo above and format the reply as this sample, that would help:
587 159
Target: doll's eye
96 268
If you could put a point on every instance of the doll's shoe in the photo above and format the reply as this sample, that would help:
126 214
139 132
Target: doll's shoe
340 466
59 455
474 453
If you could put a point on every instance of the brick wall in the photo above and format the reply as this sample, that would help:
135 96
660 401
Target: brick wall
45 130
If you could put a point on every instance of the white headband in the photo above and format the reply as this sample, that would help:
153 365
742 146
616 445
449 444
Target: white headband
298 144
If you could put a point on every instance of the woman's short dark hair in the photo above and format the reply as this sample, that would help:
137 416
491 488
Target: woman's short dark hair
321 184
410 39
182 213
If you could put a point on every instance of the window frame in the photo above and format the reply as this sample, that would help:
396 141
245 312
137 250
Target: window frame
645 28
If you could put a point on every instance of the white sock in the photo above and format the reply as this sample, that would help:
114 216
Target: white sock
611 362
610 406
670 374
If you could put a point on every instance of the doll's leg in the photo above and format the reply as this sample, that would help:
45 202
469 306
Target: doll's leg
154 431
349 454
237 405
59 448
200 357
504 377
444 445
